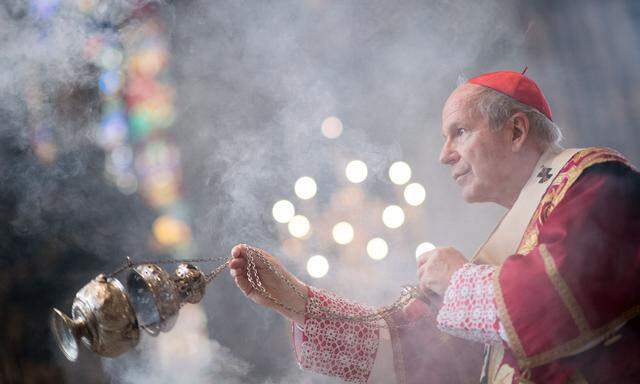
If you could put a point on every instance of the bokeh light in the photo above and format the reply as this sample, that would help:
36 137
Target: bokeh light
400 172
317 266
414 194
170 231
110 58
305 188
127 183
283 211
331 127
342 233
356 171
122 156
393 216
299 226
377 248
424 247
110 82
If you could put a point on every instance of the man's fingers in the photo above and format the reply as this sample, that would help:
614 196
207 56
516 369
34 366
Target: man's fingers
238 251
422 259
237 263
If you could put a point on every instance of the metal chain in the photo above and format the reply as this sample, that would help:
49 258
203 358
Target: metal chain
407 294
131 264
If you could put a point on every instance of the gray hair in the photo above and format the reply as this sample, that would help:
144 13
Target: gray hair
498 108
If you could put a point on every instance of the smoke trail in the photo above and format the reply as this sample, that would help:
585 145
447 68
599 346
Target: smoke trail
184 355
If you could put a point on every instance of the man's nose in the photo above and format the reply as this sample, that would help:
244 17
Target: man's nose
448 155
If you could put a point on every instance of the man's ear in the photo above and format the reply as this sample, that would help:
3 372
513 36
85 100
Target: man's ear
519 129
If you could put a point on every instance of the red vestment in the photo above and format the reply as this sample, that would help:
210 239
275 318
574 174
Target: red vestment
568 299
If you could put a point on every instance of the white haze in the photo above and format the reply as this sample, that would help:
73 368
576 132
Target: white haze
254 82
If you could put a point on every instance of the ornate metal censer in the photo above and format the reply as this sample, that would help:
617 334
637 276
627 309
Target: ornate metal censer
106 316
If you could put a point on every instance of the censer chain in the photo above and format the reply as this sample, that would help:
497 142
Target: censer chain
408 293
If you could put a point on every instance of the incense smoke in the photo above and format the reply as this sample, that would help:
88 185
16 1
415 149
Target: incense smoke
253 83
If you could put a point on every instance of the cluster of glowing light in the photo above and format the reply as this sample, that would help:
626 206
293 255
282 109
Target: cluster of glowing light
377 248
317 266
356 171
342 233
134 61
283 211
331 127
424 247
305 188
400 172
299 226
414 194
170 231
393 216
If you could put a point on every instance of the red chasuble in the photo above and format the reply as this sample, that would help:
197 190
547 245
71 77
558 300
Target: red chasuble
569 297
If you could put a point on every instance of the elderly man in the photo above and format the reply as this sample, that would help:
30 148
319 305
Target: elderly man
553 294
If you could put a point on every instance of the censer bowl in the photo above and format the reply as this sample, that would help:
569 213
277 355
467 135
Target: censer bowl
101 317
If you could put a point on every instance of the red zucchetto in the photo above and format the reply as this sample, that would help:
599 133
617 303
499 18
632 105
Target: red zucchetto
517 86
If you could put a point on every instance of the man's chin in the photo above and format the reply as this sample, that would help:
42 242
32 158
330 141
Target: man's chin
469 196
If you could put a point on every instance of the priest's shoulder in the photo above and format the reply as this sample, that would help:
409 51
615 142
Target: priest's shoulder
607 162
587 158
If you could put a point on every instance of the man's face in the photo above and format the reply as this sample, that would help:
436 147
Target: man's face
478 157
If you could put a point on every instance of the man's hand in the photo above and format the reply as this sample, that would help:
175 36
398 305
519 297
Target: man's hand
436 267
272 283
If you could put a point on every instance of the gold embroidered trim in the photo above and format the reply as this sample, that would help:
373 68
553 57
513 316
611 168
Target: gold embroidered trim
505 319
569 348
398 356
563 290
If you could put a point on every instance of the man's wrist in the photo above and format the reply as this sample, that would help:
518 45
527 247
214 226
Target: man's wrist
297 302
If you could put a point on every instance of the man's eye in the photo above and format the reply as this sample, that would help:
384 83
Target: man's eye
460 131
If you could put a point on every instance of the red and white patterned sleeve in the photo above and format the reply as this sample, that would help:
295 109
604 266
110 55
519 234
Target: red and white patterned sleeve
337 348
469 310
